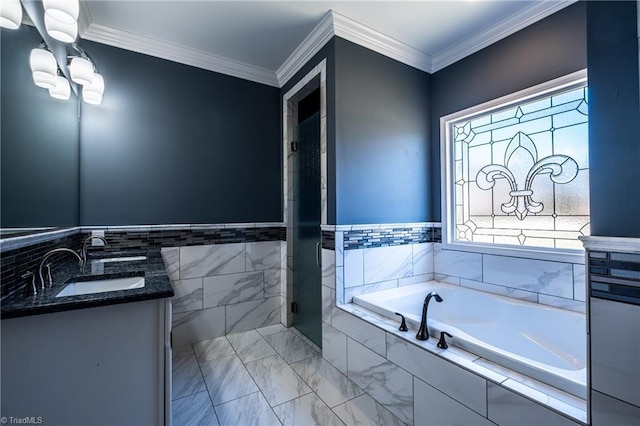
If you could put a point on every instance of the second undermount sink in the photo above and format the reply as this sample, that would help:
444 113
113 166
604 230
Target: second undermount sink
101 286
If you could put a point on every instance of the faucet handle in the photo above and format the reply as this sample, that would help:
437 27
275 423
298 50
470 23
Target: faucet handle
403 325
442 344
48 279
30 288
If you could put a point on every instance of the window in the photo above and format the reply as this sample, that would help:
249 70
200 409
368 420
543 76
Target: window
516 170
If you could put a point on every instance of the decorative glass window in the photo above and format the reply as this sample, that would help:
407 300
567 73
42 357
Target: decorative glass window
517 170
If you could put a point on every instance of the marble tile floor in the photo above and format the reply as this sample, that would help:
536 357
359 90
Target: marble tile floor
267 376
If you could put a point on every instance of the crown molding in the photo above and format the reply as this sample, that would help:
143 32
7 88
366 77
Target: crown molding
317 38
367 37
502 29
84 18
177 53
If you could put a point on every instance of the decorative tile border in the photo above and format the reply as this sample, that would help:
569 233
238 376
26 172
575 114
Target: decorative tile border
328 240
384 237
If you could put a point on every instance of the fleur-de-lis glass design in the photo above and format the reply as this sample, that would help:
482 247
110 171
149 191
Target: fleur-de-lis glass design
521 167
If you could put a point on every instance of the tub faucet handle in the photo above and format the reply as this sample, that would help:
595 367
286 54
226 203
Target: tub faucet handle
403 324
442 344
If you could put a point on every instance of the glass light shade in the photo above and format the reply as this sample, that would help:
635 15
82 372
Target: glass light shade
64 11
81 71
10 14
62 90
44 68
93 98
66 33
96 86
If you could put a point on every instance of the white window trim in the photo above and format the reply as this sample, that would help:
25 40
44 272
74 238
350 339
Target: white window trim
447 167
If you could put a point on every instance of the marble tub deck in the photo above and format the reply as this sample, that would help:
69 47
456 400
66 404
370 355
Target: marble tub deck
267 376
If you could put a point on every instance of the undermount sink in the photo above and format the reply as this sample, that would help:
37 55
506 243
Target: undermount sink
101 286
120 259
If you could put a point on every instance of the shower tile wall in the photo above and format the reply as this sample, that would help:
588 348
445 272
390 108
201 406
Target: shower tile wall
224 288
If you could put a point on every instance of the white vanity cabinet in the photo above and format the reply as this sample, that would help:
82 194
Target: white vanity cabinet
106 365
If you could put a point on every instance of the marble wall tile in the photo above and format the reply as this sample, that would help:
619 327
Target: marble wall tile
330 384
385 382
540 276
263 255
353 268
447 279
283 311
328 302
196 326
461 385
340 285
233 288
186 377
193 409
227 379
361 331
329 268
339 242
387 263
272 282
306 410
188 295
364 410
501 290
208 350
350 292
579 283
422 258
439 409
415 279
203 261
334 347
507 408
289 346
250 410
276 380
250 346
562 303
252 314
457 263
171 258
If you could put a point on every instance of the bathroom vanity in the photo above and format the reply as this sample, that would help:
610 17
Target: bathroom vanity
98 358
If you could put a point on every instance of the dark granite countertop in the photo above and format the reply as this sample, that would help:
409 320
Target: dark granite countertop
157 284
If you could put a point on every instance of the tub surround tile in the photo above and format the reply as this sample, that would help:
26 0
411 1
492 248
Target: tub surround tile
579 282
334 347
457 263
339 284
500 290
209 350
359 330
364 410
328 302
263 255
562 303
329 268
330 384
186 377
188 295
277 381
385 382
171 258
271 329
437 408
553 278
306 410
463 386
289 346
233 288
227 379
339 238
272 282
196 326
350 292
194 410
250 410
252 314
387 263
353 268
422 258
507 408
446 279
423 278
202 261
250 346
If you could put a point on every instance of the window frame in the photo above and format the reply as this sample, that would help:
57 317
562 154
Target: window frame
567 82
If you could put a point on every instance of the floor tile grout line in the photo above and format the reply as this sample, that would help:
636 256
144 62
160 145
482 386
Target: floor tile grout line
206 387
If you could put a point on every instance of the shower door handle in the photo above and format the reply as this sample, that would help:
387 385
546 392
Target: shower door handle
318 261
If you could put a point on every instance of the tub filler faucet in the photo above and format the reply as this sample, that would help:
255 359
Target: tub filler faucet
423 332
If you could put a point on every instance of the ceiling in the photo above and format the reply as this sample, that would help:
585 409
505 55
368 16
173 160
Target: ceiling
267 41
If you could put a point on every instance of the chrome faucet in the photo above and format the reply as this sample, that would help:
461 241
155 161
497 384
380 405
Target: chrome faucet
83 253
47 255
423 332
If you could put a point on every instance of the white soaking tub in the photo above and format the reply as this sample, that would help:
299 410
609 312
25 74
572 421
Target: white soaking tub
542 342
